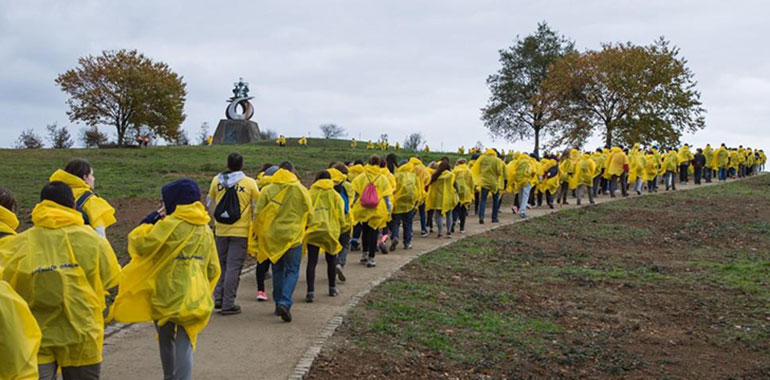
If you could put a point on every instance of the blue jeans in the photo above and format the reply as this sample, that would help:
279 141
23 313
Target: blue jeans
722 174
523 199
285 276
483 203
407 219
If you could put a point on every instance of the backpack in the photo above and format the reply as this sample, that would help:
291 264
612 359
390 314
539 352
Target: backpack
344 194
79 206
228 210
370 198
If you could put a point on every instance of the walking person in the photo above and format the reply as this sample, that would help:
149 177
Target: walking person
231 198
342 186
371 206
684 158
323 232
584 173
171 276
521 179
406 197
442 197
79 176
281 215
488 173
698 165
63 270
671 164
464 184
617 167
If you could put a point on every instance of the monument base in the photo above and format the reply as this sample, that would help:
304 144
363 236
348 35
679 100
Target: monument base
236 132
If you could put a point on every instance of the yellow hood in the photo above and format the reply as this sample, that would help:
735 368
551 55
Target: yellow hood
8 221
323 184
283 176
337 176
70 180
48 214
194 213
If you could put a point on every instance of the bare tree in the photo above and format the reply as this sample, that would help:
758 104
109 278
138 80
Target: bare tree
384 137
331 131
414 141
268 134
29 140
59 136
181 138
203 135
92 137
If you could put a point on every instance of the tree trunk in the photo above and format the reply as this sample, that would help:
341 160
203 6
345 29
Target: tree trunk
537 143
608 135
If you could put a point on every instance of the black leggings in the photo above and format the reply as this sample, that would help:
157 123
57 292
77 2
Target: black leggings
312 261
369 236
262 269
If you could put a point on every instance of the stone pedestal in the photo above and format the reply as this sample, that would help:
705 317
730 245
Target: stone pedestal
236 132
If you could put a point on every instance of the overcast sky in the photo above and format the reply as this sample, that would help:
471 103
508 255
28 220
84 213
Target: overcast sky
373 67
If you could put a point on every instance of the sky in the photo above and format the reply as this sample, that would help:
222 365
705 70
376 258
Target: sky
372 67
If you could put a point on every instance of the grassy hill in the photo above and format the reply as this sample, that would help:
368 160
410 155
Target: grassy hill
131 178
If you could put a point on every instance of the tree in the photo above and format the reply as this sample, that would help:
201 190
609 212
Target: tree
331 131
627 93
60 137
203 135
516 109
181 138
29 140
268 134
384 137
414 141
92 137
126 90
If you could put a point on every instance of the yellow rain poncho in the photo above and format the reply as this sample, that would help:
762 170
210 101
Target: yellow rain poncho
599 159
390 176
708 152
263 180
8 222
173 270
734 160
465 186
283 211
19 336
684 155
584 171
100 213
548 184
423 178
638 163
441 193
407 194
524 171
377 217
616 162
328 217
723 157
741 156
340 178
671 162
488 171
63 270
650 167
354 171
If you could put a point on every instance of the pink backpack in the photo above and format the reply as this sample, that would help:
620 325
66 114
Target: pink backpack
370 198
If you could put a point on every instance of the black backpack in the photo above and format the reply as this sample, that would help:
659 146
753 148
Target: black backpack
228 210
79 206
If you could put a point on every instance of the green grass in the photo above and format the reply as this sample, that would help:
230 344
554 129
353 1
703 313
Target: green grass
140 173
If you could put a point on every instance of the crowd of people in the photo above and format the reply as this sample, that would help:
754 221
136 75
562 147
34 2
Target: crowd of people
56 276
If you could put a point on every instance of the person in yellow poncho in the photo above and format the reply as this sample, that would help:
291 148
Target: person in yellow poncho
63 270
461 150
19 333
373 210
173 271
584 177
598 158
442 197
339 173
264 175
323 232
302 141
708 170
355 170
566 172
722 161
353 143
684 157
465 186
734 164
671 165
370 145
651 172
616 170
741 161
406 196
397 146
638 163
281 141
549 180
488 174
423 178
281 216
522 177
79 176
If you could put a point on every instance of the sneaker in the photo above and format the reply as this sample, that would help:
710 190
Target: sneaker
462 230
439 236
370 263
383 248
261 297
333 292
364 257
309 297
218 305
231 311
481 221
340 275
284 313
408 246
424 233
394 244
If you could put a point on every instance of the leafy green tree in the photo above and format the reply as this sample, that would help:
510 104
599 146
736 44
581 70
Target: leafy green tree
126 90
627 93
516 109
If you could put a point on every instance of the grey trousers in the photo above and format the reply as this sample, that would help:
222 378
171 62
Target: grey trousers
176 352
579 193
88 372
232 253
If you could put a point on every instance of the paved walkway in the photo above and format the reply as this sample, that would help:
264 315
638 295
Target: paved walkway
258 345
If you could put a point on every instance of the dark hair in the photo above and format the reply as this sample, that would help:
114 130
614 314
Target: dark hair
265 167
358 162
7 200
323 174
287 165
383 163
341 167
78 167
442 167
58 192
234 162
374 160
392 162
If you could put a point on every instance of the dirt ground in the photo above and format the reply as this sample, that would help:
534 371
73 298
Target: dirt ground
672 286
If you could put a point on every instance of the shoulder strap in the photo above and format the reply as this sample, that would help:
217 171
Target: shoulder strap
80 203
4 234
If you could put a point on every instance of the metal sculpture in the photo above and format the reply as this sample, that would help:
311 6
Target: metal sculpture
240 98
